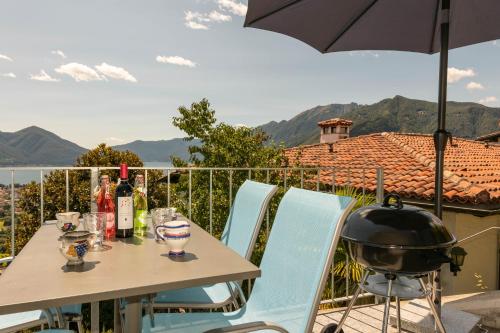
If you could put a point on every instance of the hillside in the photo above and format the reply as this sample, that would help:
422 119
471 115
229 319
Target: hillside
158 151
36 146
398 114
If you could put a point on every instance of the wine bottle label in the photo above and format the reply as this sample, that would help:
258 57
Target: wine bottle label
125 213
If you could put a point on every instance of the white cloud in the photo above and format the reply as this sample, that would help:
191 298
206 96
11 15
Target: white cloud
195 25
237 8
9 75
59 53
215 16
456 74
488 100
199 21
114 72
43 76
4 57
195 16
175 60
474 86
79 72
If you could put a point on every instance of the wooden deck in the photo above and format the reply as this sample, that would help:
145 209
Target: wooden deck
364 319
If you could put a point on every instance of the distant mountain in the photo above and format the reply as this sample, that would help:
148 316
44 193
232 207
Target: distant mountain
398 114
36 146
158 151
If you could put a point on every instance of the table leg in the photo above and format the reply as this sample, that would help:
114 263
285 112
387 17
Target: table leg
117 320
94 317
133 314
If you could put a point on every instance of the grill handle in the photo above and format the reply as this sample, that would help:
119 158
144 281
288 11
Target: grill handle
398 204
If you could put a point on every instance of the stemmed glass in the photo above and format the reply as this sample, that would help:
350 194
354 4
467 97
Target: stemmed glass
95 223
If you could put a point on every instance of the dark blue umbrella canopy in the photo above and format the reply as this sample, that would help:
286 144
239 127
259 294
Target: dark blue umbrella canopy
400 25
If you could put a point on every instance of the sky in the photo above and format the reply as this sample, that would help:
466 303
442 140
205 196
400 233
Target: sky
115 71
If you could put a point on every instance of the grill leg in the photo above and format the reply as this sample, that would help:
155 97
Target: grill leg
351 303
390 278
398 316
437 318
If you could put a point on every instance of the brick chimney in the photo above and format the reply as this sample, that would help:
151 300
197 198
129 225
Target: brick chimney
333 130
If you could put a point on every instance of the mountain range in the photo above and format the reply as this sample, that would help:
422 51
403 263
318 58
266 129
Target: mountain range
398 114
36 146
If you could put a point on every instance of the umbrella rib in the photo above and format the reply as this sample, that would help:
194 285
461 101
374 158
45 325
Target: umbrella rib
435 26
272 12
353 22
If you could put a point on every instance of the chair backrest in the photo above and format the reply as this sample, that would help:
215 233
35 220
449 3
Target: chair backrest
297 258
246 215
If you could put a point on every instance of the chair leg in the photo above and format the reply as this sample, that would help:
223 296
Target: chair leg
351 303
436 316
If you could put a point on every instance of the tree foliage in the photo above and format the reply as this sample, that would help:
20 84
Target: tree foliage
222 146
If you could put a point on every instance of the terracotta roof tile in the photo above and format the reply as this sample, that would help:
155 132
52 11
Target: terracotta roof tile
472 169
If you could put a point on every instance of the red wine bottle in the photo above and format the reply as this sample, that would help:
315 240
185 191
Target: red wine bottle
124 217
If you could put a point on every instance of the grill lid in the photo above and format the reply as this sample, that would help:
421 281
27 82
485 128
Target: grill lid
396 225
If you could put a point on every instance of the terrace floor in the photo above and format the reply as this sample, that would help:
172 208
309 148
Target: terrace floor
363 319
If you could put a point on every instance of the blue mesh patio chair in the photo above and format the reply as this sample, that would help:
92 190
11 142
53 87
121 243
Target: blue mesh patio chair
240 234
294 269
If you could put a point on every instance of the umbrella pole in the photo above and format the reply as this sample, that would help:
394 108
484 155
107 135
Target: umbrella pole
441 136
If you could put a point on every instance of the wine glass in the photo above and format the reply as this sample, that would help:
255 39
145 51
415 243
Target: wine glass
95 223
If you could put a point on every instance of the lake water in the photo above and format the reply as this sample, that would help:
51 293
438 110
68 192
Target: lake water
24 177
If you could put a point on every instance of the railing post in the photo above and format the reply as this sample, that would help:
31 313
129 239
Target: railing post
146 179
230 189
190 184
41 197
168 187
267 211
67 189
94 182
380 184
317 181
12 216
210 201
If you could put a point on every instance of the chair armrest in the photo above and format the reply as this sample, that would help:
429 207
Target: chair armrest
249 327
240 292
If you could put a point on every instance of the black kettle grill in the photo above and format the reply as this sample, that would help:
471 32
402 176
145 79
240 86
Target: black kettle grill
397 238
400 244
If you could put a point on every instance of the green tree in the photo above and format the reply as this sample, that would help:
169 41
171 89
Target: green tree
222 145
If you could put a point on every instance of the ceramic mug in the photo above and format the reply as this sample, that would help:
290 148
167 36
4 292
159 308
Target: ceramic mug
175 234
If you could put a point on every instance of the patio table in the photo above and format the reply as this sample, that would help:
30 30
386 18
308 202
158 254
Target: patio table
38 277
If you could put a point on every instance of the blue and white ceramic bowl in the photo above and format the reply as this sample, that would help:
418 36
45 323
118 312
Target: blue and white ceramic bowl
175 234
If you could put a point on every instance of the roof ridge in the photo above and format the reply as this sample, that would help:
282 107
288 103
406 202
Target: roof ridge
461 182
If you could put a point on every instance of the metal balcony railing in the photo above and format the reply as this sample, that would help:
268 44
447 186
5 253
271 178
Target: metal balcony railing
303 177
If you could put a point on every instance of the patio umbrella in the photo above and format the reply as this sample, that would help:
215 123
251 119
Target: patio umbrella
425 26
